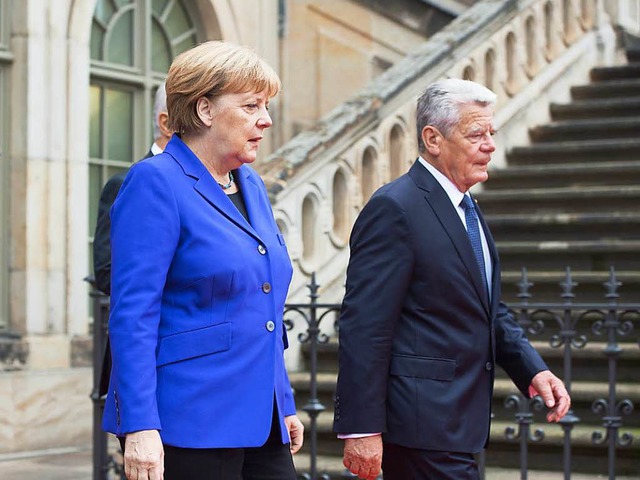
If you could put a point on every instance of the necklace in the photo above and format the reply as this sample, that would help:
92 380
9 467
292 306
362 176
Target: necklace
227 186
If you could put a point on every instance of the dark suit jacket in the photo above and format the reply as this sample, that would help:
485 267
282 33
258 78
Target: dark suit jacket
102 256
418 337
102 236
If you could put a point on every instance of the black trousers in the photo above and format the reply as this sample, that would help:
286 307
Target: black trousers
271 461
403 463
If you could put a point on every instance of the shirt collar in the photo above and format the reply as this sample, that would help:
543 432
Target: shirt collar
450 189
155 149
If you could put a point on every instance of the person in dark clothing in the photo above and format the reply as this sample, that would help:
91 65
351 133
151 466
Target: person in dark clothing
102 236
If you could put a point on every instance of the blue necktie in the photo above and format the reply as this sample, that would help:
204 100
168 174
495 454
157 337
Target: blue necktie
473 231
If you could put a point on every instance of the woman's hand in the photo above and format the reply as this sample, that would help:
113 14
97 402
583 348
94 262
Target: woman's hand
296 432
143 456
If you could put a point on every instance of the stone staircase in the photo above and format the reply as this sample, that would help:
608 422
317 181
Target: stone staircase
571 198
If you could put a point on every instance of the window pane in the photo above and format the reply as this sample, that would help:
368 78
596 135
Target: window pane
94 124
97 38
178 21
186 44
104 11
120 48
111 171
122 3
119 124
95 187
159 6
161 56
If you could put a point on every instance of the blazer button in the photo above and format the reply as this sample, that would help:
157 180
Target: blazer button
266 287
488 366
261 249
270 326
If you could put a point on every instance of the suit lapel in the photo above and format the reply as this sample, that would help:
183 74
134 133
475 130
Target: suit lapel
206 186
448 217
258 212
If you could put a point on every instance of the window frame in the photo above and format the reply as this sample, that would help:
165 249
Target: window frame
141 80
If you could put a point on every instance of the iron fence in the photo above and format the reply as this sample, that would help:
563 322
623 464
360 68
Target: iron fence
566 326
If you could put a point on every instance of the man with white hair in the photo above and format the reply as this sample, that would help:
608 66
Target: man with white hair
422 325
102 237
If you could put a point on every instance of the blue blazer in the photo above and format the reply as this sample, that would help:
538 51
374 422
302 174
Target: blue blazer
197 301
419 338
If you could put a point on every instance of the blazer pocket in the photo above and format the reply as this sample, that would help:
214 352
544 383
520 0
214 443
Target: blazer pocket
423 367
194 343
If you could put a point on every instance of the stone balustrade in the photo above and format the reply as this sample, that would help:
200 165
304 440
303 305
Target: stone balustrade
528 52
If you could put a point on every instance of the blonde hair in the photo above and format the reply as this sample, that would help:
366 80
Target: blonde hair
209 70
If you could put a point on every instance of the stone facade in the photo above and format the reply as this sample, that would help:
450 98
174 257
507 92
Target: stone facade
355 136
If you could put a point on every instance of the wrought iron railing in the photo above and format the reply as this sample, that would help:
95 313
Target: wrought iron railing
566 325
105 465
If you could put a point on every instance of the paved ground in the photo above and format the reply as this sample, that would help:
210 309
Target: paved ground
76 465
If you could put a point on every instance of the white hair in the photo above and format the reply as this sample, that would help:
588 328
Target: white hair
159 106
439 105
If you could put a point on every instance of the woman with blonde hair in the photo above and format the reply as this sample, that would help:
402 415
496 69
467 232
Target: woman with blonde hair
200 274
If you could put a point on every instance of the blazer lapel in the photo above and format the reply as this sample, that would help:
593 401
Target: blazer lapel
253 200
206 185
448 217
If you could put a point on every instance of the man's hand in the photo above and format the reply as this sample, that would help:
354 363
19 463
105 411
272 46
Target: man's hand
363 456
553 393
144 456
296 432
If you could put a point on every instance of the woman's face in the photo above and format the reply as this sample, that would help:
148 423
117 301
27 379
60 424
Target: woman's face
238 124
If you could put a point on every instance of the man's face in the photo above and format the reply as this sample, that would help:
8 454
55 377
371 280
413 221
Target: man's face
465 154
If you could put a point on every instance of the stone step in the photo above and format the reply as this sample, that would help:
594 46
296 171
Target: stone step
587 129
583 392
602 150
599 108
333 467
577 254
589 288
587 457
607 89
589 368
564 175
629 71
567 200
564 226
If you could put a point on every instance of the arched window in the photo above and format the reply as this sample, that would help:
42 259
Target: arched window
489 69
369 174
397 154
6 59
309 227
469 73
132 45
532 48
340 206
